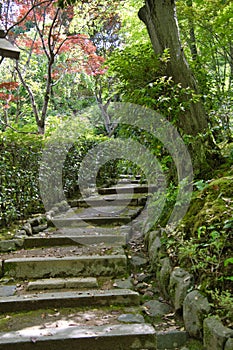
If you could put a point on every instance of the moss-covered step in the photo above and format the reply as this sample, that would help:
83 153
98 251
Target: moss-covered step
111 215
85 298
118 337
79 240
75 266
92 220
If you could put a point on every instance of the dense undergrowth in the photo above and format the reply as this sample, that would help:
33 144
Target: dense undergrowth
203 241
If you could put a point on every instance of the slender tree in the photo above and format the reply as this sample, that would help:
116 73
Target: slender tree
42 29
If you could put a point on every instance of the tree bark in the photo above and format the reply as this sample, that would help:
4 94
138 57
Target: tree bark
160 19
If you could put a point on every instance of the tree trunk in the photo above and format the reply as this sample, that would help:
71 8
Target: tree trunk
160 19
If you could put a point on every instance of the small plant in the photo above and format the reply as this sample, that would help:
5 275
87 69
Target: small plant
200 185
223 304
226 263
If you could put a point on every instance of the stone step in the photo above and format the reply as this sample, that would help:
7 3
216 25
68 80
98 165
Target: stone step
131 181
72 266
130 176
85 298
98 201
111 215
62 283
83 221
134 188
117 337
79 240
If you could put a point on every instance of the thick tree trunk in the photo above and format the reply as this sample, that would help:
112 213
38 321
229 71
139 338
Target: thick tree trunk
160 19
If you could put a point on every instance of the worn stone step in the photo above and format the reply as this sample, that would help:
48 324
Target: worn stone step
131 181
98 201
73 266
82 221
117 337
110 210
111 215
92 298
129 176
62 283
79 240
127 189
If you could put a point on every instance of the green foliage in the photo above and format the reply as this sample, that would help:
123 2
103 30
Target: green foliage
206 33
202 243
140 79
200 185
224 300
20 158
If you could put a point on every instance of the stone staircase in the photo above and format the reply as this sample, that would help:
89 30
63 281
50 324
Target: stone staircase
62 289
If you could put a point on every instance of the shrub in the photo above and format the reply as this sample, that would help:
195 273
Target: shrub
20 158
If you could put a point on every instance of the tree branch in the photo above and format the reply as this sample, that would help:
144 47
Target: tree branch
30 93
25 16
18 131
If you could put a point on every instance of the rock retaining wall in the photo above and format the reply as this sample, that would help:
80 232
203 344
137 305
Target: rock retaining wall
177 285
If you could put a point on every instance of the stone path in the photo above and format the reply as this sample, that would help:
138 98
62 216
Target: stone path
73 287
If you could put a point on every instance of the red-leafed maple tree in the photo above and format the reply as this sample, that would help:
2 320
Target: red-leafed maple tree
42 28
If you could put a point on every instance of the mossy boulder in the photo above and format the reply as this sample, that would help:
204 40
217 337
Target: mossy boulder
211 206
203 242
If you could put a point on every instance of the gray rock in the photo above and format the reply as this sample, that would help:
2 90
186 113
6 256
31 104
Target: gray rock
143 277
229 344
180 283
215 334
55 210
174 339
138 261
7 291
131 318
150 237
6 246
19 242
195 309
123 283
141 287
154 250
21 233
28 228
40 228
39 220
155 308
11 244
49 218
163 276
